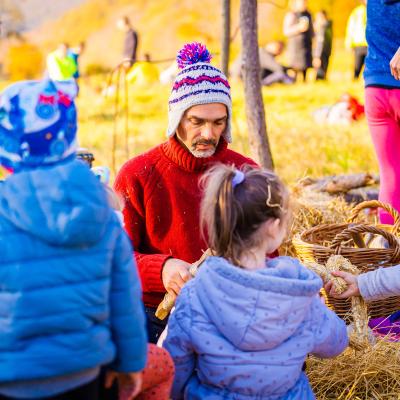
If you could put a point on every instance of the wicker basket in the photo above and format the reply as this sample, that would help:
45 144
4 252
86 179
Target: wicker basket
395 228
319 243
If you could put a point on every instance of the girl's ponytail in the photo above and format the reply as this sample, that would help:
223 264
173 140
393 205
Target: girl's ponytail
235 203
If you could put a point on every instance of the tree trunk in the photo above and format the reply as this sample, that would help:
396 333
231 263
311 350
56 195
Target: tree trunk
259 144
226 34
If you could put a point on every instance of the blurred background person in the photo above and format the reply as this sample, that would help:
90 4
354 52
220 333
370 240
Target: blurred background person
298 28
355 37
382 96
75 53
131 41
323 44
143 73
60 65
271 70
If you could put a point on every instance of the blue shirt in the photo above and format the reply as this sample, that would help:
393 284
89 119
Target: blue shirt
383 37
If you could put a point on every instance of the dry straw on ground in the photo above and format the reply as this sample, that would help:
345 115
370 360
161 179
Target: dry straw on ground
370 374
310 209
369 368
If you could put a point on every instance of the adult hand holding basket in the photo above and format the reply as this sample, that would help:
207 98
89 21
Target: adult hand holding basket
367 259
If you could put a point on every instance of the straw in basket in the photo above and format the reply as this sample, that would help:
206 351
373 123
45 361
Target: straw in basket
319 243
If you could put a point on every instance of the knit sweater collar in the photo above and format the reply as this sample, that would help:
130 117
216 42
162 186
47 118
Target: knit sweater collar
181 156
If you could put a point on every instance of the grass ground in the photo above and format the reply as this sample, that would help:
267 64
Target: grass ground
300 147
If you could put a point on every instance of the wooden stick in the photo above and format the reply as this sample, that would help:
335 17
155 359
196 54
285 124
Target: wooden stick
165 307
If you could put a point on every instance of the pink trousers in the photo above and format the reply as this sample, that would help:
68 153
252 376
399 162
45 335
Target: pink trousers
382 107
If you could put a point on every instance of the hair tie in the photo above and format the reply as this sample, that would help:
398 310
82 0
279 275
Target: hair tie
238 178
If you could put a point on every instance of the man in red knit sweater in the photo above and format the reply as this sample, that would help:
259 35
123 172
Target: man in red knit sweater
161 187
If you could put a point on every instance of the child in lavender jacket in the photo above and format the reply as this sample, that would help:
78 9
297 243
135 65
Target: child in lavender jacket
243 327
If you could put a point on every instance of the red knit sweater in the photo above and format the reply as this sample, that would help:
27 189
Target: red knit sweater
162 208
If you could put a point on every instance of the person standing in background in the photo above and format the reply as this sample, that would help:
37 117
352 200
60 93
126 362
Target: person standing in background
382 95
355 37
130 42
143 73
60 65
298 28
75 54
323 44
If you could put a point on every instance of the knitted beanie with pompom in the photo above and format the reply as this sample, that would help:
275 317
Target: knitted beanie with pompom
197 83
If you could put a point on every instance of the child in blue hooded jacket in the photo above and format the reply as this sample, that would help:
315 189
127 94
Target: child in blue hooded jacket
243 327
70 296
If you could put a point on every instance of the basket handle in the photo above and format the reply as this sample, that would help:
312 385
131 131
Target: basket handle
347 234
377 204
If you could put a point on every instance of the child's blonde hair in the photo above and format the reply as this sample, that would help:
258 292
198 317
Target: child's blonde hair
235 204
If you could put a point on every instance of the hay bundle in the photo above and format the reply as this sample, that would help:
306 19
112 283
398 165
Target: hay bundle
359 337
168 302
310 209
373 373
368 369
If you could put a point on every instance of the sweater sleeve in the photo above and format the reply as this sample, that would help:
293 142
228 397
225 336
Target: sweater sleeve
379 284
179 345
330 335
127 313
149 265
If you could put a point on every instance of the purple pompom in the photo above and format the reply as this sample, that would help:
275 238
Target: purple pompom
192 53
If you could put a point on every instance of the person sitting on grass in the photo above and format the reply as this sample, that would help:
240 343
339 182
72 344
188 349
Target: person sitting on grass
243 327
160 187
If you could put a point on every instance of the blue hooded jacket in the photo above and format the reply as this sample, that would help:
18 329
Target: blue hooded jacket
70 296
239 334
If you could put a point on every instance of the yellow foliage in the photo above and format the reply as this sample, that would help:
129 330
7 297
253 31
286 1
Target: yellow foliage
164 25
23 61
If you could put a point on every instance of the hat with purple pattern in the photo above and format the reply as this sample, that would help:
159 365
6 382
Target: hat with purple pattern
198 83
37 123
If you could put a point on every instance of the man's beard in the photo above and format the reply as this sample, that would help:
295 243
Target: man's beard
203 153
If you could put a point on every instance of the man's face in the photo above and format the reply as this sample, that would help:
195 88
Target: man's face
301 5
201 128
62 50
121 25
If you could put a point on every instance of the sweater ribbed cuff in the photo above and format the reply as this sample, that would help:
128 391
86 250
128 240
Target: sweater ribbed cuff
150 266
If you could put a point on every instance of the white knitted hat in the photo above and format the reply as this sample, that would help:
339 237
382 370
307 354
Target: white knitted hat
198 83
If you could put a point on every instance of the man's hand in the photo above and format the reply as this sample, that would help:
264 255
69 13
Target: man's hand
352 289
395 65
316 62
175 274
129 384
303 24
126 65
